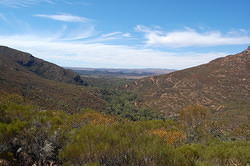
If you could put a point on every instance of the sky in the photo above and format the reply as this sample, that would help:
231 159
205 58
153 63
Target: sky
173 34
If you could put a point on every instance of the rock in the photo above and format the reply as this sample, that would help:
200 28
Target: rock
4 163
248 48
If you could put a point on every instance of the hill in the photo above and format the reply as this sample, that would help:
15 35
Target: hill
44 83
10 57
223 85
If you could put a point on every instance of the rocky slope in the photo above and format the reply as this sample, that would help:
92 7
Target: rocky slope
44 83
222 85
38 66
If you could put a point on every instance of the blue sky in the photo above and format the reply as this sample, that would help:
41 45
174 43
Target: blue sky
128 33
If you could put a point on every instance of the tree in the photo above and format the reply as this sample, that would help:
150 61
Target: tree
194 115
195 119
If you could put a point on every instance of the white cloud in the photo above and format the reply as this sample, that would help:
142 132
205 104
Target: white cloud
64 17
190 38
80 54
126 35
22 3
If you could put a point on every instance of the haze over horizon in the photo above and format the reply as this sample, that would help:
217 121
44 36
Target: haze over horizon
129 34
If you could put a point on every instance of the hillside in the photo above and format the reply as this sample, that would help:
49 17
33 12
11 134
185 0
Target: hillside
44 83
223 85
10 57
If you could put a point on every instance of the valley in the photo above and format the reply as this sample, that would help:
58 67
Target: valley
54 116
119 73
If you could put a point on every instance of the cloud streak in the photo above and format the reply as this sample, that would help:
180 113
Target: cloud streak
190 38
110 37
72 27
3 18
22 3
64 18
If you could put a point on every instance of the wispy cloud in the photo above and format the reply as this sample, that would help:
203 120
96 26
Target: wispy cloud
111 34
104 55
81 32
110 37
116 34
22 3
64 17
190 38
3 18
72 27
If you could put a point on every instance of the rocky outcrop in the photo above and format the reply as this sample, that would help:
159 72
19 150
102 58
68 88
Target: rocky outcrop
40 67
248 48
